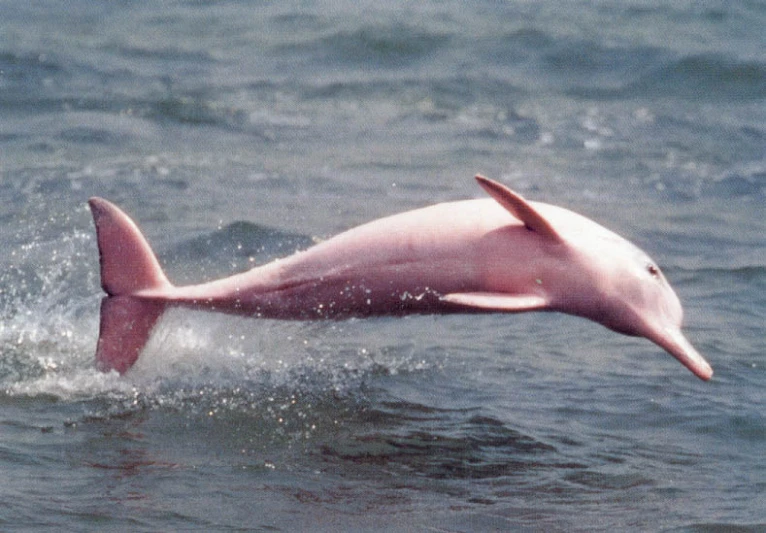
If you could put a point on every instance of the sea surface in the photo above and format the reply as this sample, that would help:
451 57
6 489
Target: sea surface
236 132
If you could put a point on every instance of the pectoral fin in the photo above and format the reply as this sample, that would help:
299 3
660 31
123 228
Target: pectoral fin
497 301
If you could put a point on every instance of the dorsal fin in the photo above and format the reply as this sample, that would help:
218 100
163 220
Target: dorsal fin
518 207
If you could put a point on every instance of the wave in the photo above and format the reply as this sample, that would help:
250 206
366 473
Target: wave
697 77
394 45
449 445
743 184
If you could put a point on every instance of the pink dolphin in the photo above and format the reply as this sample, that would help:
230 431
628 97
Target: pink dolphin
503 254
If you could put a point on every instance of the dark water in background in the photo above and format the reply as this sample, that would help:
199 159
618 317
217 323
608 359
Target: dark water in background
236 132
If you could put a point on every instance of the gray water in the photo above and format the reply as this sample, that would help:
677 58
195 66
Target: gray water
236 132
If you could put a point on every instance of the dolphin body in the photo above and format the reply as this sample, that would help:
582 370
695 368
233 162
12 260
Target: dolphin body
500 254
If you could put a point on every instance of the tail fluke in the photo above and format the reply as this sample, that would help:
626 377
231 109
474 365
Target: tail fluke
126 324
132 278
128 264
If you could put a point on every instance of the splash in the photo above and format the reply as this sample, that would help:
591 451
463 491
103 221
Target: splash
296 378
46 308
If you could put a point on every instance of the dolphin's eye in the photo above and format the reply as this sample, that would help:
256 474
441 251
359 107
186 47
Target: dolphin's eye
653 270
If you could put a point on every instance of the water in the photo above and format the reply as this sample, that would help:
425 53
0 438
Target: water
235 133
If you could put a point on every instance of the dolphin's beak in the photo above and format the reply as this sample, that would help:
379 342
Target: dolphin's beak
674 342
